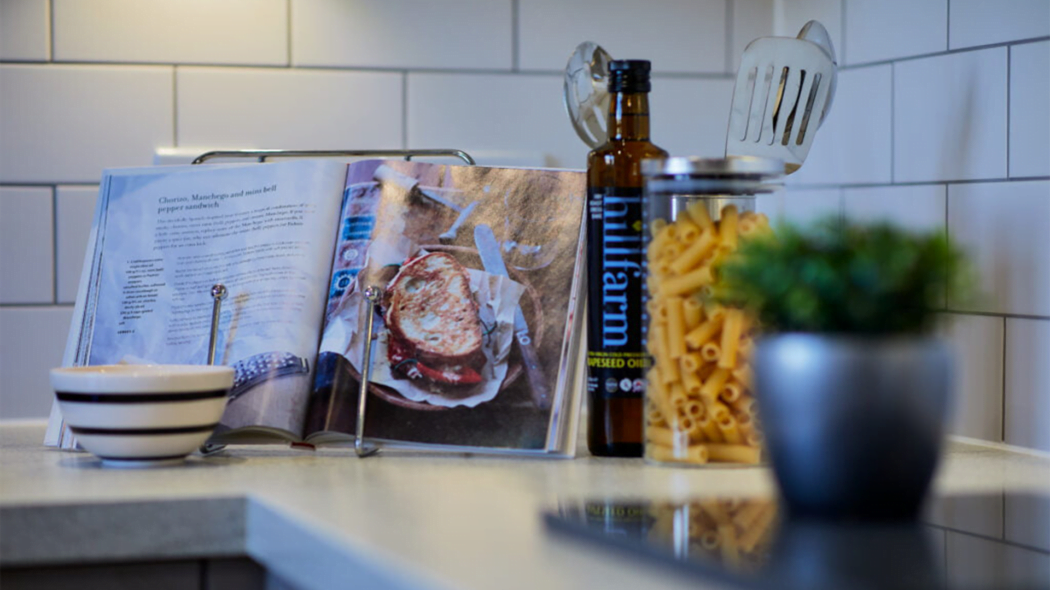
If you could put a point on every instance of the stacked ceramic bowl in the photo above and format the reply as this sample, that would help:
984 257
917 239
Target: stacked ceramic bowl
142 415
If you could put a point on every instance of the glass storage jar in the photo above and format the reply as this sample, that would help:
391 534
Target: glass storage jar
699 406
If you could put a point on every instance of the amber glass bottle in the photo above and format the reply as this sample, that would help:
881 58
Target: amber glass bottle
616 358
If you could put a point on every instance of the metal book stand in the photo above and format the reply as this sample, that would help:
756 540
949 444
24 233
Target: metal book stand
372 293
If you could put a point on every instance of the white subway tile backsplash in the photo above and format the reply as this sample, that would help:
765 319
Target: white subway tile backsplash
25 30
689 117
751 19
977 346
1028 382
676 35
1030 109
67 123
853 145
801 207
1005 228
890 29
289 109
493 112
950 117
26 248
976 514
74 213
32 340
983 22
790 16
402 33
971 559
917 208
980 114
1026 517
241 32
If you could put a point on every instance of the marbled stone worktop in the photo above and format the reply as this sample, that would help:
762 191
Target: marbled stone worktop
326 519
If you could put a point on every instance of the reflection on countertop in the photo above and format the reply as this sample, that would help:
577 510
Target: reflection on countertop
962 541
326 519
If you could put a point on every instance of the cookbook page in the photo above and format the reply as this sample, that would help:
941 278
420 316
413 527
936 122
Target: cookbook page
476 266
165 236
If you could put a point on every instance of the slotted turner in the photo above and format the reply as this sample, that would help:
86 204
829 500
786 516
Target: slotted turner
783 91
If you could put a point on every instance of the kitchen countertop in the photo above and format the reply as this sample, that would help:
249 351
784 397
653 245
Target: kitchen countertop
326 518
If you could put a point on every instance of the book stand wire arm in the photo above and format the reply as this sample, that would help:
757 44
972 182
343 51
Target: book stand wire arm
372 293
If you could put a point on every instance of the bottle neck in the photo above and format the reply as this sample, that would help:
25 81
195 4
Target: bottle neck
629 116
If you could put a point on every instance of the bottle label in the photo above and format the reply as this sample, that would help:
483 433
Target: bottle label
616 357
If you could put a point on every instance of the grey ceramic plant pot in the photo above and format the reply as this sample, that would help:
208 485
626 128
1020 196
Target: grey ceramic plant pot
853 426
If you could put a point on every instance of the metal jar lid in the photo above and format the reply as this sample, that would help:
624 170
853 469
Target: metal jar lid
736 175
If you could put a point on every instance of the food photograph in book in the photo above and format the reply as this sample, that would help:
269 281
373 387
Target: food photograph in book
476 270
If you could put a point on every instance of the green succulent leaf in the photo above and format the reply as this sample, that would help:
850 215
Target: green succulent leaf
843 277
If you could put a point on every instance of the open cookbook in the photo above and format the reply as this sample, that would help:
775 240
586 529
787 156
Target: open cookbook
475 333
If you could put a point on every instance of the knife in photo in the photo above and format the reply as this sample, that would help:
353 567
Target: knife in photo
492 260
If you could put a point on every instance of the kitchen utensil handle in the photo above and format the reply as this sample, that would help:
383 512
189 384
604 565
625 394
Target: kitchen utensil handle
541 392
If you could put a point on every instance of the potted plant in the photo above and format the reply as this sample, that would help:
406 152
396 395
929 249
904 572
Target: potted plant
853 389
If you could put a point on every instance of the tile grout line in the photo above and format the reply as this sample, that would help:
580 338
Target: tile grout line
404 110
805 186
993 314
948 238
515 35
719 75
1002 390
893 124
51 30
288 32
1009 53
882 62
41 305
948 26
54 245
730 40
175 106
842 27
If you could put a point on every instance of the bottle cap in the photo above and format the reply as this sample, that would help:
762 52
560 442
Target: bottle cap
629 75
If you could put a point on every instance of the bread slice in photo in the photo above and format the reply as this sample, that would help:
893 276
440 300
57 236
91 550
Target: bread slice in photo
433 321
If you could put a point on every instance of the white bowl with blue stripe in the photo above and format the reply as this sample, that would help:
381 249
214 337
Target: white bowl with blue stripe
142 415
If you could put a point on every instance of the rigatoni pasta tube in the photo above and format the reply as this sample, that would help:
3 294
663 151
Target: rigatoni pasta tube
675 327
692 312
691 281
688 232
666 437
691 361
714 384
727 228
710 429
743 375
690 381
727 424
728 546
697 251
711 352
697 211
732 328
703 333
734 453
754 533
665 454
731 392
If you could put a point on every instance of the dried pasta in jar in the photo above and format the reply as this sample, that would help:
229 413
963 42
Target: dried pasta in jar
701 405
